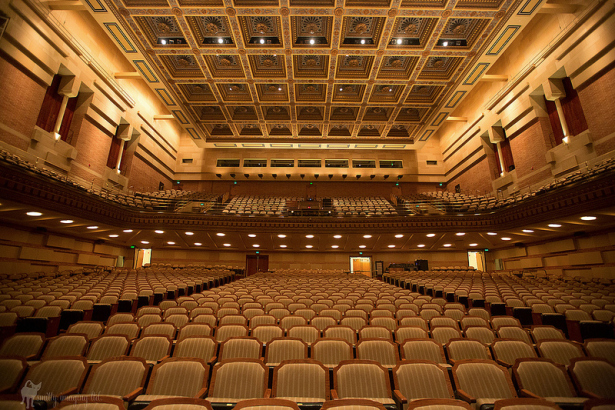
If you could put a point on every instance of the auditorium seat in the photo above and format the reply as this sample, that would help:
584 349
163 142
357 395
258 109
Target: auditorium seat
234 380
199 347
482 382
240 347
25 345
56 378
11 371
107 346
421 379
330 352
507 351
362 379
593 377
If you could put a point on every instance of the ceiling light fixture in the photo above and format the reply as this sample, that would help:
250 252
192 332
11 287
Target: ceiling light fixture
460 233
431 235
506 238
159 231
113 236
588 218
335 246
220 234
473 244
555 226
391 246
312 41
281 236
399 41
34 213
445 43
362 246
127 230
220 40
309 236
367 236
93 227
309 246
362 41
66 221
337 236
528 231
399 235
447 245
189 233
256 245
144 242
420 245
226 244
491 233
163 42
198 244
282 246
262 41
170 243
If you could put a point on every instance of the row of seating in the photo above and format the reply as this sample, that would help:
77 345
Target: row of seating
307 382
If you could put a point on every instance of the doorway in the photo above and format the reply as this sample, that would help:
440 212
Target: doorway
142 257
256 263
361 265
476 259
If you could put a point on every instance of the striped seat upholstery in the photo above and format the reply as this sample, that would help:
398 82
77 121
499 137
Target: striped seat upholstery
322 322
384 352
422 379
108 346
131 330
409 332
331 352
438 404
445 334
544 378
482 381
27 345
198 347
423 349
308 333
206 318
462 349
225 331
604 348
233 320
354 322
11 370
593 377
482 334
66 345
57 376
341 332
546 332
266 404
194 329
285 348
240 347
507 351
302 381
238 379
177 378
8 318
560 351
116 377
148 318
120 318
525 404
292 320
375 332
362 379
179 404
467 321
513 332
264 333
160 328
498 322
443 321
91 329
414 321
152 348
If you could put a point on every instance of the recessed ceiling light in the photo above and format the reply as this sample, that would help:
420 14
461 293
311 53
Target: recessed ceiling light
362 41
460 233
282 246
335 246
420 245
491 233
528 230
163 42
262 41
391 246
221 234
473 244
447 245
506 238
226 244
337 236
127 230
281 235
170 243
93 227
399 41
255 245
220 41
189 233
34 213
308 246
309 236
399 235
362 246
113 236
159 231
555 226
252 235
312 41
66 221
367 236
445 44
144 242
588 218
431 235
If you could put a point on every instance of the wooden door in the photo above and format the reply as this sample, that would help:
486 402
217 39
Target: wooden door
256 263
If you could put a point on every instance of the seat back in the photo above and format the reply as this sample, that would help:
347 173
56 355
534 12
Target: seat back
240 347
178 377
200 347
108 346
285 348
420 379
301 378
361 379
483 379
56 376
331 352
543 377
239 379
384 352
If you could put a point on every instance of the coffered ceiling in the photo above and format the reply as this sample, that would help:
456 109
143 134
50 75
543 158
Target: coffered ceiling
318 71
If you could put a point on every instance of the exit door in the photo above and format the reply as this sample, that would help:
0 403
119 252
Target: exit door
256 263
362 265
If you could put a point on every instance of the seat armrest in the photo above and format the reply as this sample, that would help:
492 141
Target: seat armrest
334 395
133 395
527 393
68 392
201 393
397 395
465 396
212 360
267 393
163 358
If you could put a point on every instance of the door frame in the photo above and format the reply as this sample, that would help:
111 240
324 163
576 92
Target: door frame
371 264
259 258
